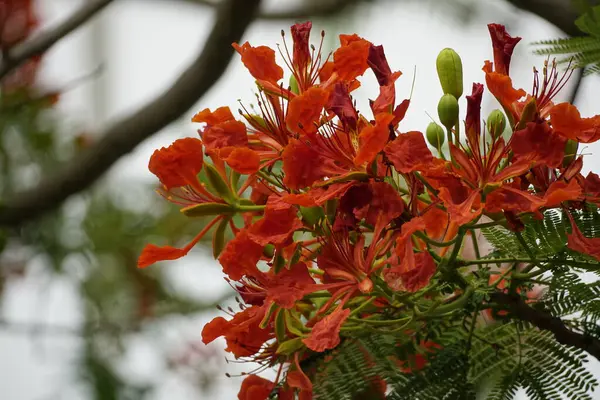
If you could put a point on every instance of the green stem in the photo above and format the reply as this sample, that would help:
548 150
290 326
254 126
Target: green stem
245 208
362 307
426 238
475 244
486 224
450 307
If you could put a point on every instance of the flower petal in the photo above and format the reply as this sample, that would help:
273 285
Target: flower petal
255 388
178 164
326 333
260 61
372 139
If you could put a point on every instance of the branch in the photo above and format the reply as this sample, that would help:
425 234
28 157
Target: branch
232 19
43 41
317 8
560 13
545 321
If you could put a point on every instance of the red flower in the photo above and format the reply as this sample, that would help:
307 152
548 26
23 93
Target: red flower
243 335
179 164
411 271
409 153
578 242
560 191
255 388
350 60
504 45
235 266
277 225
325 334
305 110
260 61
567 121
373 138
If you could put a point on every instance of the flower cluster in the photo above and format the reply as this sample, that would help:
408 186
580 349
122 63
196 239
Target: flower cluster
343 222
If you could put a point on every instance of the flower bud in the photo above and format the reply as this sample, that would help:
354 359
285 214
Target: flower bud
570 152
448 110
435 135
496 123
449 69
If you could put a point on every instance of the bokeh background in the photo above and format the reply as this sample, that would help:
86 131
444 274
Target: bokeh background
78 320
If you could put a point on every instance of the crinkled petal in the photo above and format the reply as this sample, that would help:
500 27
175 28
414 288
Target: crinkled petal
243 160
325 334
178 164
305 110
255 388
372 139
260 61
409 152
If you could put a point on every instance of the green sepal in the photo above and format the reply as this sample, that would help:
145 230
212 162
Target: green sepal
290 347
293 325
218 241
312 215
218 184
280 331
279 261
206 209
265 321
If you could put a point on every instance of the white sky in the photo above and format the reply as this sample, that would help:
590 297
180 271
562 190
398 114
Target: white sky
142 47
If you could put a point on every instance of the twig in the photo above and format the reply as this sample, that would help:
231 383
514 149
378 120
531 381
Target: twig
20 53
545 321
232 19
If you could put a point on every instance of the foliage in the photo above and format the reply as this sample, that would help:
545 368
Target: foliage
581 51
355 250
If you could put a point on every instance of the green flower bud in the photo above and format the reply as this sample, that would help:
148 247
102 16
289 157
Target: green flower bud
449 69
435 135
448 110
570 152
496 123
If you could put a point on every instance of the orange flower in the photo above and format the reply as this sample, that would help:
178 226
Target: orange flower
560 191
255 388
578 242
566 120
178 164
350 60
409 153
305 110
373 138
325 334
260 61
243 334
411 271
242 160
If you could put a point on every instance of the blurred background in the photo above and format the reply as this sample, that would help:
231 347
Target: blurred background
81 111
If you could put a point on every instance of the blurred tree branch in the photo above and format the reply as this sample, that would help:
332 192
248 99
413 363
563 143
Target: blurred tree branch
232 19
312 8
545 321
560 13
22 52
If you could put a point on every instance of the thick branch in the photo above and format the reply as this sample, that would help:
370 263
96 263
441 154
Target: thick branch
43 41
547 322
560 13
232 19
